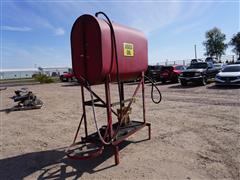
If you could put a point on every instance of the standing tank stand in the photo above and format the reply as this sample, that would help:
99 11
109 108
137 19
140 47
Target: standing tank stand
113 133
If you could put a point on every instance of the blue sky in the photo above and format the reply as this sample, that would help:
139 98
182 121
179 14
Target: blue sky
37 33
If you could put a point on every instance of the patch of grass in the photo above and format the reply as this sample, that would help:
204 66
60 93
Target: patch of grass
42 78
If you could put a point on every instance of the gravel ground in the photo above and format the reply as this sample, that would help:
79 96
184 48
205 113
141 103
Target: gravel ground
195 135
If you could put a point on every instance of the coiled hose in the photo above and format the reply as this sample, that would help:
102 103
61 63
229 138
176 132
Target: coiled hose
154 86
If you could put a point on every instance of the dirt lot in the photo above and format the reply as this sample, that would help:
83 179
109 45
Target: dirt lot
195 135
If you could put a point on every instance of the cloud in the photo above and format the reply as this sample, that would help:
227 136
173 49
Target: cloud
39 18
187 27
59 31
15 28
196 9
153 16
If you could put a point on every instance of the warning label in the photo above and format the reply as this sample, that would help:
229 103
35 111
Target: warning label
128 49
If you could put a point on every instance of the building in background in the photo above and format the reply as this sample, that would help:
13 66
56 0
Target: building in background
28 73
54 71
17 73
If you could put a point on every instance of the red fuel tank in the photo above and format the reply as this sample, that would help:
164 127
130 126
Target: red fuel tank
91 45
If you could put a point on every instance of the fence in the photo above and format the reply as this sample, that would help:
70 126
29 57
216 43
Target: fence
224 58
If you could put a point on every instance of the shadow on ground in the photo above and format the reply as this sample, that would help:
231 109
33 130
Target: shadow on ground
135 82
70 84
53 164
17 108
223 87
165 83
7 110
190 85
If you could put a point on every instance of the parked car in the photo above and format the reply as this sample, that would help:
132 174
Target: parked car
230 75
195 60
179 69
199 72
171 73
218 66
153 72
67 77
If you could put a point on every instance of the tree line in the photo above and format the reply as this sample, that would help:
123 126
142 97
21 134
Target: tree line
215 45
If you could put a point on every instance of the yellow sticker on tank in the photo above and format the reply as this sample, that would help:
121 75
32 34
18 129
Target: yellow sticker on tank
128 49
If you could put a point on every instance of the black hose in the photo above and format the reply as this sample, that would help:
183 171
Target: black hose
159 92
116 56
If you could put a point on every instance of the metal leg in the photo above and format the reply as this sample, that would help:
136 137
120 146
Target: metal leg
143 98
122 94
149 130
116 155
75 138
84 112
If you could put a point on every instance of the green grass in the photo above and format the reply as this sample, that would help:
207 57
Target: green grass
17 80
42 78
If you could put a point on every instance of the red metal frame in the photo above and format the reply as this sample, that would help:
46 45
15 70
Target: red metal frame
111 132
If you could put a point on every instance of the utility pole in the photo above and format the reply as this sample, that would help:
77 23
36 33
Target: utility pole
195 50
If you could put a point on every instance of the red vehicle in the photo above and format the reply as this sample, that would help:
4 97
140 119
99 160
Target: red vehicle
171 73
67 77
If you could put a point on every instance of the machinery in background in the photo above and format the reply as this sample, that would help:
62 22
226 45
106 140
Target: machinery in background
26 100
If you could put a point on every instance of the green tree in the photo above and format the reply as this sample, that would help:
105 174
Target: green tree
235 41
214 43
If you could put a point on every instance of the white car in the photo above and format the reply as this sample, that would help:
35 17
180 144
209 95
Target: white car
230 75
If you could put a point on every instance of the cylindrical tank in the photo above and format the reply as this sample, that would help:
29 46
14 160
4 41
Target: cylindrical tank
91 45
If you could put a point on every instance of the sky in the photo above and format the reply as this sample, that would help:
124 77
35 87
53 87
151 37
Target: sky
37 33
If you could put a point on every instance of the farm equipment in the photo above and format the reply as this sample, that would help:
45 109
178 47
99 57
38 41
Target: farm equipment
105 52
26 100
